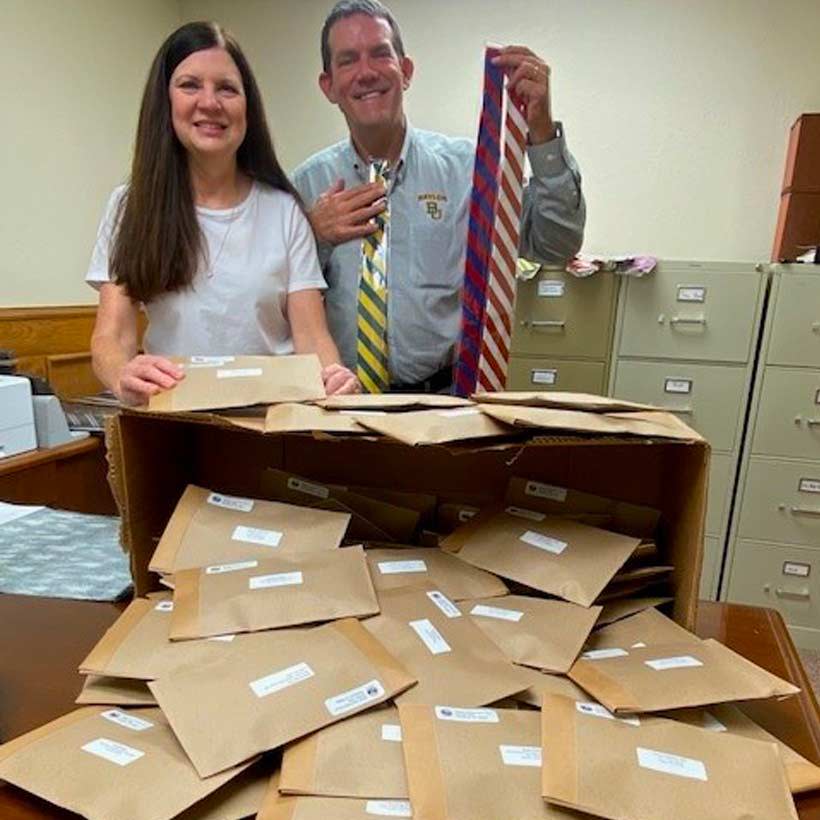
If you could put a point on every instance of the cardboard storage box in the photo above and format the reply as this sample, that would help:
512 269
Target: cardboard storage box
154 457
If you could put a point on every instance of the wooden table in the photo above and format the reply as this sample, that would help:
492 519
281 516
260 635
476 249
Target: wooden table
70 477
43 640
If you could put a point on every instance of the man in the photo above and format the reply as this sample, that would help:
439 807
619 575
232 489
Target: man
365 71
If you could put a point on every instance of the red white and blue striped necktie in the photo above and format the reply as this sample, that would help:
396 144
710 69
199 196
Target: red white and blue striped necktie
488 296
480 230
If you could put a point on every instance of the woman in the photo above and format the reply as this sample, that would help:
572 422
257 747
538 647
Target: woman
208 235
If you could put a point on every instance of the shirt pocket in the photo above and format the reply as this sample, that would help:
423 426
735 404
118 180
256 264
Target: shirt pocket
437 243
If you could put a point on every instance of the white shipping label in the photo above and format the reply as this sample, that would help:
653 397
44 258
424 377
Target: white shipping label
262 687
444 604
543 542
389 808
254 535
597 710
455 412
540 490
112 751
551 288
279 579
239 373
602 654
391 732
211 361
127 721
809 485
796 568
521 755
355 698
231 502
397 567
530 515
681 662
218 569
691 293
430 636
466 715
671 764
497 612
710 722
164 606
679 386
544 376
308 487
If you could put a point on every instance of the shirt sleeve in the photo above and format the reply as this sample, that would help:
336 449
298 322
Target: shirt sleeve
301 180
98 272
554 211
304 272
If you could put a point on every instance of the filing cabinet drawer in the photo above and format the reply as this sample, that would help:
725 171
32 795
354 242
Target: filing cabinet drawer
721 473
536 373
795 336
788 418
691 312
557 314
712 553
781 502
780 576
708 397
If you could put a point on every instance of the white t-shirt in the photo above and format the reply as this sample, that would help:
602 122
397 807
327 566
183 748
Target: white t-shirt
258 253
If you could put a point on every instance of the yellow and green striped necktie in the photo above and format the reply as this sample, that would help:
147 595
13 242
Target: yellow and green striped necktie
371 339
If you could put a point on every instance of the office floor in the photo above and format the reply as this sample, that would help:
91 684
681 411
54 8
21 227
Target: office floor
811 660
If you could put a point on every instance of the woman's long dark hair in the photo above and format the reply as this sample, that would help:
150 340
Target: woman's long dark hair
157 243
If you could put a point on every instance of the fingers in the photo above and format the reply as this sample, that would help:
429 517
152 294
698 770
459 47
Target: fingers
361 195
338 379
337 186
151 370
166 366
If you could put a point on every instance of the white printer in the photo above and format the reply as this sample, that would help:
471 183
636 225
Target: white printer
17 431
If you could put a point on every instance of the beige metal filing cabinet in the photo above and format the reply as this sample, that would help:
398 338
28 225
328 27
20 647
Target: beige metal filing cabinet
562 336
685 340
774 547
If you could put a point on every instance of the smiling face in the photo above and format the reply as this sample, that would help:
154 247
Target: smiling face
208 105
366 78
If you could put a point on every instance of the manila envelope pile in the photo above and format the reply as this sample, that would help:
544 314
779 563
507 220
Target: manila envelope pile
330 653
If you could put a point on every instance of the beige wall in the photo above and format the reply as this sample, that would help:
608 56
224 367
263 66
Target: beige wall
71 73
677 110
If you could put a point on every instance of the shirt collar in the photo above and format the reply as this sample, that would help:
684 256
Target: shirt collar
360 166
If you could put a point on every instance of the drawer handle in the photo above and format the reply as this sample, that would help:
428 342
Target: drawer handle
558 323
802 594
801 510
687 320
808 422
685 411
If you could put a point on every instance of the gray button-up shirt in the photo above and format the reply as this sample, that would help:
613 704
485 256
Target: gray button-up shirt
429 202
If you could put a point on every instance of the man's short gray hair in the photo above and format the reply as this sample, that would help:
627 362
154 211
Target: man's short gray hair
347 8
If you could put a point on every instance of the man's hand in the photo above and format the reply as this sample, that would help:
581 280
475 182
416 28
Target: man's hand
338 379
529 77
340 215
144 376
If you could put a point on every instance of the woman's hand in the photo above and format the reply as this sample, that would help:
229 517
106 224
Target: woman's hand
338 379
144 376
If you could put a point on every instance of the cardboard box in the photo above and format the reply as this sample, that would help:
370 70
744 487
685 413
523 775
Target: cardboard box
154 457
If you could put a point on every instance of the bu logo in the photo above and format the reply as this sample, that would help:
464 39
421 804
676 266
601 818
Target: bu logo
433 210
